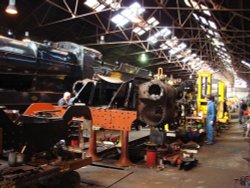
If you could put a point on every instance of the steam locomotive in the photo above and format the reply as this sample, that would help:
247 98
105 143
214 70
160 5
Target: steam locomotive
40 72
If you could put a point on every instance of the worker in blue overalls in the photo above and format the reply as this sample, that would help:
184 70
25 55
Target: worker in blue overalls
210 121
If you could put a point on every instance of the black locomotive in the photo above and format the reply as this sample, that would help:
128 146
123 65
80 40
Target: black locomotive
40 72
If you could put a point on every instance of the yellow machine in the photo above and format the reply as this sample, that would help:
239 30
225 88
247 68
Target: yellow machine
222 115
204 88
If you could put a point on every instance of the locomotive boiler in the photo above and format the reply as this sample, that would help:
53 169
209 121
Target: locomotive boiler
157 102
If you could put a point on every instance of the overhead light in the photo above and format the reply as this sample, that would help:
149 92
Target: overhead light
26 36
212 24
152 21
11 8
96 5
195 5
177 49
10 33
195 16
210 32
143 58
139 30
115 6
245 63
120 20
203 20
165 32
152 40
146 26
92 3
239 83
132 13
193 55
109 2
102 39
186 59
179 56
205 10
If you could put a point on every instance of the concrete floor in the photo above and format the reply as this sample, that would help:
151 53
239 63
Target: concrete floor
219 165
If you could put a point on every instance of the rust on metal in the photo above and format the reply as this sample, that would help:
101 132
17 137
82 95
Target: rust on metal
114 119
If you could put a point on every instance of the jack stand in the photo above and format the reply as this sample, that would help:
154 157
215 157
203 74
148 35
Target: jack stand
92 146
124 160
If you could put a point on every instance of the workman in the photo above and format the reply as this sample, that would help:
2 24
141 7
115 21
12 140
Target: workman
210 121
65 99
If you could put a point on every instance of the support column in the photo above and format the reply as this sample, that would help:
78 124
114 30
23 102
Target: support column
124 161
92 146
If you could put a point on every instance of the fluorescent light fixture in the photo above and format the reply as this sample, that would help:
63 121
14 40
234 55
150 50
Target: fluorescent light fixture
210 32
245 63
203 27
146 26
164 46
170 43
11 8
193 55
155 23
217 42
216 49
99 5
187 3
212 24
139 31
119 20
136 7
165 32
96 5
194 4
132 14
195 16
186 59
182 46
152 21
100 8
152 40
188 51
173 51
177 49
109 2
92 3
179 56
229 61
208 36
217 34
205 10
224 49
203 20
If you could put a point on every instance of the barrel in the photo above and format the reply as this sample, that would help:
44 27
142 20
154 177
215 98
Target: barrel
151 157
